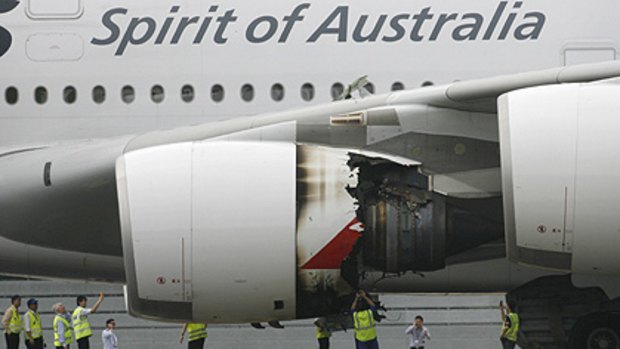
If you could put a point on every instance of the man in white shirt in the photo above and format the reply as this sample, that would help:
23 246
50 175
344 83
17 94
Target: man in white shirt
419 334
108 337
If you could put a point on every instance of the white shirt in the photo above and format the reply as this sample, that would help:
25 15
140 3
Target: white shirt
419 336
109 339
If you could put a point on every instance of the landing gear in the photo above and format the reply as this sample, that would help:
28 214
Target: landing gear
596 331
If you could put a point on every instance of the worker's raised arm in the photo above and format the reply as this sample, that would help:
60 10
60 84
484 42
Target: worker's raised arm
502 311
368 299
183 329
98 303
354 305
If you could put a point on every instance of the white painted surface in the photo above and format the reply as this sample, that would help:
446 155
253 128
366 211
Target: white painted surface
243 217
538 140
158 184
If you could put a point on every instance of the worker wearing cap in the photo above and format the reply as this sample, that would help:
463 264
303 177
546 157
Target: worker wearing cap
81 326
63 333
12 323
197 335
32 326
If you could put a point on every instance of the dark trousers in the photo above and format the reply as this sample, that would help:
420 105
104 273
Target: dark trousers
372 344
417 348
83 343
324 343
197 344
12 340
37 344
507 344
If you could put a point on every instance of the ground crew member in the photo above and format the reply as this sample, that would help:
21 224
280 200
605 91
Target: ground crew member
108 337
419 334
197 335
364 321
510 327
81 326
32 326
63 333
322 332
12 323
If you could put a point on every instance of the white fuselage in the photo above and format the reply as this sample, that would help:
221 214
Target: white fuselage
112 44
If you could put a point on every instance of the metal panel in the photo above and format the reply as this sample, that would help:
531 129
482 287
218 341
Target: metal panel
54 47
243 217
158 218
597 223
48 9
538 136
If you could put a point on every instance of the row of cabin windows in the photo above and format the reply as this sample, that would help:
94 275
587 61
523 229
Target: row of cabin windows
128 93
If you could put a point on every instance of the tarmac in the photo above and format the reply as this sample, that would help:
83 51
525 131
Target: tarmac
454 321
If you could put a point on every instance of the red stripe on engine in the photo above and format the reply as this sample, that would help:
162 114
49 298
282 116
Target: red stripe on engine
332 255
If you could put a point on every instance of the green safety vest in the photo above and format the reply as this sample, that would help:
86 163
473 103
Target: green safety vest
68 331
513 330
364 323
320 333
35 324
15 324
196 331
81 326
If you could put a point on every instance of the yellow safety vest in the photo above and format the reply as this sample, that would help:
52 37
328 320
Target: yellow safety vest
68 331
196 331
35 324
81 326
15 324
513 330
364 323
320 333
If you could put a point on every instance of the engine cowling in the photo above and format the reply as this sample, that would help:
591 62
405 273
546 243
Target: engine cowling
560 176
234 231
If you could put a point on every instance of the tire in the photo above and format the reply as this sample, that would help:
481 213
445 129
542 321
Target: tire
596 331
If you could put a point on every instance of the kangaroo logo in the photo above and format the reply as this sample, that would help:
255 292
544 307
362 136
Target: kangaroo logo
5 36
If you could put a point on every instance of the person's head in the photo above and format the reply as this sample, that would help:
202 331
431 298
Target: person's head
81 301
59 308
33 304
419 321
16 301
110 324
511 306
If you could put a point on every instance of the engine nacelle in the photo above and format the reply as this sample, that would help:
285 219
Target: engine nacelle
233 231
560 175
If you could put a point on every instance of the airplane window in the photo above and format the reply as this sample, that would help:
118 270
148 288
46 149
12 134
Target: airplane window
247 92
187 93
40 95
307 92
427 83
398 86
98 94
370 87
157 94
128 94
69 94
337 90
11 95
217 93
277 92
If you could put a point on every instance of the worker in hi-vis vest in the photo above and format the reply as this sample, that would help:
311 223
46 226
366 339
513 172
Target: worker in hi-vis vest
81 326
364 321
322 332
12 323
32 325
197 333
510 327
63 332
